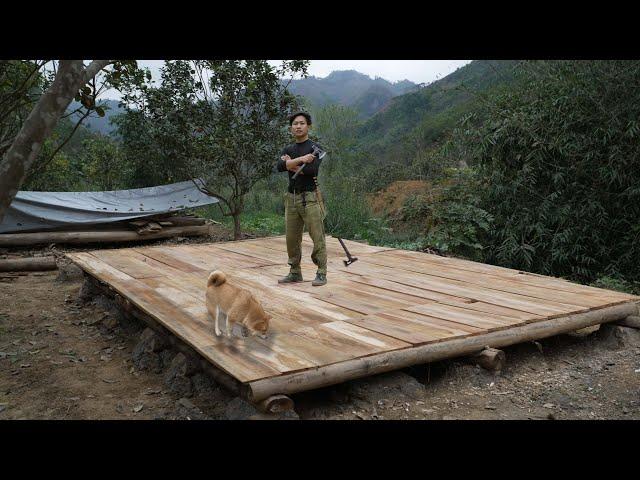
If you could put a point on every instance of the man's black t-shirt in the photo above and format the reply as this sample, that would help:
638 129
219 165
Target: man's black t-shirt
304 181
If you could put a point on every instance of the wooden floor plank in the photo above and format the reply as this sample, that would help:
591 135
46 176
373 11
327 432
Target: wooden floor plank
219 258
553 283
395 286
484 320
493 282
475 292
174 260
495 309
97 267
133 263
412 327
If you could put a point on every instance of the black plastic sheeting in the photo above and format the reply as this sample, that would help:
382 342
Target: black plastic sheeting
34 211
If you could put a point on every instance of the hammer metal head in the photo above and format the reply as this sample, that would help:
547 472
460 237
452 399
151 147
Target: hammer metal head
350 261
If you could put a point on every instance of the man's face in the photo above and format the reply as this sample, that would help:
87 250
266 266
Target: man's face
300 127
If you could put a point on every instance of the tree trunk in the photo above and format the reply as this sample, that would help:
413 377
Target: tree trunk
236 226
24 150
238 204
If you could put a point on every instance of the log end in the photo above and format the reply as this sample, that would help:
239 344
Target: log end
275 404
490 359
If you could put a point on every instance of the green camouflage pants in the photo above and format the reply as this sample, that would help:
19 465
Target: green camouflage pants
297 216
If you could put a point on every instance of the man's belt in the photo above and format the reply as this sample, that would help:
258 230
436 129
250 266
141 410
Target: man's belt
299 190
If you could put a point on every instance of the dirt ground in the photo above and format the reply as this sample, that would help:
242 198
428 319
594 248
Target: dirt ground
62 358
391 199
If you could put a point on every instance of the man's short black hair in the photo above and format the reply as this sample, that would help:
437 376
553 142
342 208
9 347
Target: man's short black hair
297 114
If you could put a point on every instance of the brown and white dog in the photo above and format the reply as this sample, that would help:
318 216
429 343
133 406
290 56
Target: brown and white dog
237 305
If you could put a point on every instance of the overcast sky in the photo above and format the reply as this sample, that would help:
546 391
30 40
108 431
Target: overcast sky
418 71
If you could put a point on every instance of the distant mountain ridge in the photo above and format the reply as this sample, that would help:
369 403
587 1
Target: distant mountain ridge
350 88
344 87
414 120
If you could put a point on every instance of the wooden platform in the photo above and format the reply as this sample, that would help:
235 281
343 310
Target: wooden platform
388 310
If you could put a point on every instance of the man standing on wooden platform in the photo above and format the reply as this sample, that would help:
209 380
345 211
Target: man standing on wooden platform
303 204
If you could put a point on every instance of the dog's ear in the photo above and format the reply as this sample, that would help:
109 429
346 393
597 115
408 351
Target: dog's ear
261 325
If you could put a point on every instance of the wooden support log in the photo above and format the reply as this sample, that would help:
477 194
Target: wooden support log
105 236
149 228
394 360
489 359
185 221
632 321
275 404
31 264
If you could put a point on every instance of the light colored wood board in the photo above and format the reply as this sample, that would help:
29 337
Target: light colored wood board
97 267
475 292
229 257
492 282
508 274
274 351
356 306
214 258
254 250
465 316
348 338
360 302
453 328
405 328
496 309
445 328
132 263
395 286
161 254
313 351
378 296
362 335
518 283
198 263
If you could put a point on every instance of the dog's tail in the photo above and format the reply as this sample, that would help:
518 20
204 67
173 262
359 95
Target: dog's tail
216 278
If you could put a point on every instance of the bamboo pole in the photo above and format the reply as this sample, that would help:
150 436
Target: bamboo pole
384 362
105 236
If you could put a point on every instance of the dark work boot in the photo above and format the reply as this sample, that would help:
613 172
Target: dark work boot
291 278
321 279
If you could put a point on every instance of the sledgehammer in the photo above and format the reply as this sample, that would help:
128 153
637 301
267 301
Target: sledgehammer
350 259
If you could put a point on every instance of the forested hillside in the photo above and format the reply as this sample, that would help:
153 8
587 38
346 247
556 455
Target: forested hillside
413 121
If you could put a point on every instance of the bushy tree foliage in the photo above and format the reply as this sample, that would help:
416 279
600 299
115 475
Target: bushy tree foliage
220 121
559 169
